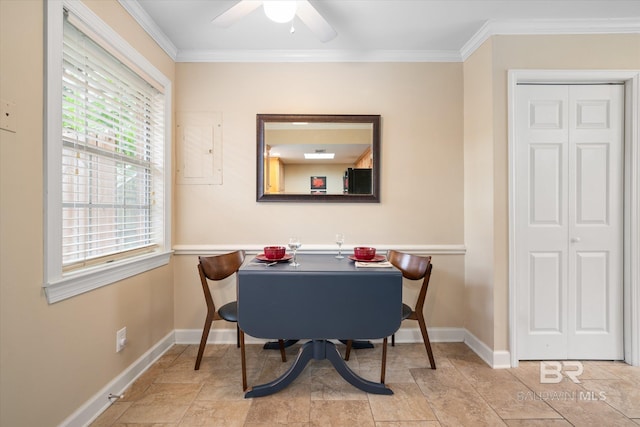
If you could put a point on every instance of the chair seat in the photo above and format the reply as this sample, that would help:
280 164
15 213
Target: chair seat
406 311
229 311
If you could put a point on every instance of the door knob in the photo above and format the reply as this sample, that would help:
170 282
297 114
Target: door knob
575 240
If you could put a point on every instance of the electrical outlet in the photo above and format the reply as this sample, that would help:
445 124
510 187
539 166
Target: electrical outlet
121 339
7 116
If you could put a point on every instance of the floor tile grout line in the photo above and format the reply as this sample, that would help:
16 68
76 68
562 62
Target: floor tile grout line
426 398
533 391
478 393
433 411
607 401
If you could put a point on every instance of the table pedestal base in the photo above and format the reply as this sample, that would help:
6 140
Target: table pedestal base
318 350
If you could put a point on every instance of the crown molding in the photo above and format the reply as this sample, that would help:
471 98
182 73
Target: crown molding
150 26
548 27
489 29
317 56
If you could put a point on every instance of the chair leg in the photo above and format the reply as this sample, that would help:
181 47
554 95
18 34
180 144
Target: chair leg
427 343
393 340
237 336
282 353
384 360
347 352
203 340
244 361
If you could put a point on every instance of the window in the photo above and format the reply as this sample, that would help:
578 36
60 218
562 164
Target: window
107 174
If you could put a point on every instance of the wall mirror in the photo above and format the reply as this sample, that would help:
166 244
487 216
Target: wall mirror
318 158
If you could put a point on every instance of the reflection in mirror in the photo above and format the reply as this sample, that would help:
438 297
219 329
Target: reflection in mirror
318 158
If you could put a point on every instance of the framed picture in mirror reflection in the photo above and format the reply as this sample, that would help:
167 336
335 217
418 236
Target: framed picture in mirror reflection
318 183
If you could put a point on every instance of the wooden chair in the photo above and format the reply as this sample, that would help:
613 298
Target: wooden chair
413 267
216 268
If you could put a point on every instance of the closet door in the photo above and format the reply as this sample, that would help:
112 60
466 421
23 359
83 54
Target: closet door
569 221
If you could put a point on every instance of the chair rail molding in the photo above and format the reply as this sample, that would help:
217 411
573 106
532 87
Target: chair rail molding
187 249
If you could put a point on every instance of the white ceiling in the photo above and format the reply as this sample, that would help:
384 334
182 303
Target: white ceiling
378 30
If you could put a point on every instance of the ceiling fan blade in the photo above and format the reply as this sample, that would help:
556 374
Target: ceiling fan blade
316 23
236 12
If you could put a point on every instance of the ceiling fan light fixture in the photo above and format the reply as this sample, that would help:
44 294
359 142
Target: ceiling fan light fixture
280 11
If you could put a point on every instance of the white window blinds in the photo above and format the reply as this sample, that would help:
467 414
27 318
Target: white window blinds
112 149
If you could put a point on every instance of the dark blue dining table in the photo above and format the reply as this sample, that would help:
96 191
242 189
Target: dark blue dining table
322 299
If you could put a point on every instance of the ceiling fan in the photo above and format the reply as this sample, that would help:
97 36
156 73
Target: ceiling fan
300 8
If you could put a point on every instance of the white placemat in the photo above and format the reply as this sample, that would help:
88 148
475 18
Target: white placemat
382 264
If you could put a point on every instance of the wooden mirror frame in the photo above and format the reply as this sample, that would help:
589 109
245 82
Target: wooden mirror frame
374 120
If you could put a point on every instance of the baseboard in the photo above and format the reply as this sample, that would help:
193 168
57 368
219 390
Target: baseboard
412 335
216 336
100 401
495 359
404 335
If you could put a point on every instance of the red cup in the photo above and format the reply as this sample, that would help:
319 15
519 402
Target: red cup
274 252
364 253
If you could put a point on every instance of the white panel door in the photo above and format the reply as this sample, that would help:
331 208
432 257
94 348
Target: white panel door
569 221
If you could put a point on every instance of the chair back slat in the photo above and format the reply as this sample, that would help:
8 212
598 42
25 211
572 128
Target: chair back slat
413 267
220 267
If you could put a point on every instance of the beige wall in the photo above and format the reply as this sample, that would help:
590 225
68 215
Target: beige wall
501 54
53 358
478 194
421 173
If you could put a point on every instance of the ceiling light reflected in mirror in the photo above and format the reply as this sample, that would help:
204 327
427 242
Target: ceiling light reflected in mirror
319 156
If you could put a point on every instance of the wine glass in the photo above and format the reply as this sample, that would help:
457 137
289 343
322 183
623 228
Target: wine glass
339 242
294 244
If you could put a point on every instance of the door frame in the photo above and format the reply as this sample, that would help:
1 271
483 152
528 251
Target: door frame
631 244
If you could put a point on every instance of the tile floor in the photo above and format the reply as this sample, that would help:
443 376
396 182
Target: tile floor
462 391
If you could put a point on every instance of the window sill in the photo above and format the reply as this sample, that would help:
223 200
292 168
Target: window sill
73 284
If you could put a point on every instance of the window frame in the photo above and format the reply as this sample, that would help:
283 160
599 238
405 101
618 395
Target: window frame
58 284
